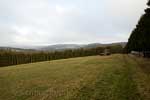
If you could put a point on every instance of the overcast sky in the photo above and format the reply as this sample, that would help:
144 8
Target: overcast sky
41 22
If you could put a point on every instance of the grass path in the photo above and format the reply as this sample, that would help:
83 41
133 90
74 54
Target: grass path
115 83
116 77
142 76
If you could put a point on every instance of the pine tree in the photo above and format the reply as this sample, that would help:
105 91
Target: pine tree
148 3
140 37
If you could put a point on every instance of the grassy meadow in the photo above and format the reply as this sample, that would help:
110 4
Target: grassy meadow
115 77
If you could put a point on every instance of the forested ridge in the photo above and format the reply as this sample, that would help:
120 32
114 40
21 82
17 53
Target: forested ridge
13 58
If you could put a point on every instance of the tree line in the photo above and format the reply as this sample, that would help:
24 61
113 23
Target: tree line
8 58
140 36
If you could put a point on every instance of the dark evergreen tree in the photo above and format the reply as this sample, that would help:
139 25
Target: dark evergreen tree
140 37
148 3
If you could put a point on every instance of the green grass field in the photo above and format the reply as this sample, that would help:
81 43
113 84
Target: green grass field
115 77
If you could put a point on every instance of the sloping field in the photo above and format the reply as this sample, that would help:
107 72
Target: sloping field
116 77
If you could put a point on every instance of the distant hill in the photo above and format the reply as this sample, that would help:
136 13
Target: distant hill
77 46
60 47
17 49
94 45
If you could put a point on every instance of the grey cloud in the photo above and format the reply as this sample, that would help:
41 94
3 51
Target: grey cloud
24 22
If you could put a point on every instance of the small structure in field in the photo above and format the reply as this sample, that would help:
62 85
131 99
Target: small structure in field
141 54
137 53
106 52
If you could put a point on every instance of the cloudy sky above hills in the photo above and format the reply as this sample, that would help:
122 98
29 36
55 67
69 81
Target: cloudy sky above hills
41 22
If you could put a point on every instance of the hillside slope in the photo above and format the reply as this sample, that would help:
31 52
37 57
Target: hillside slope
116 77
